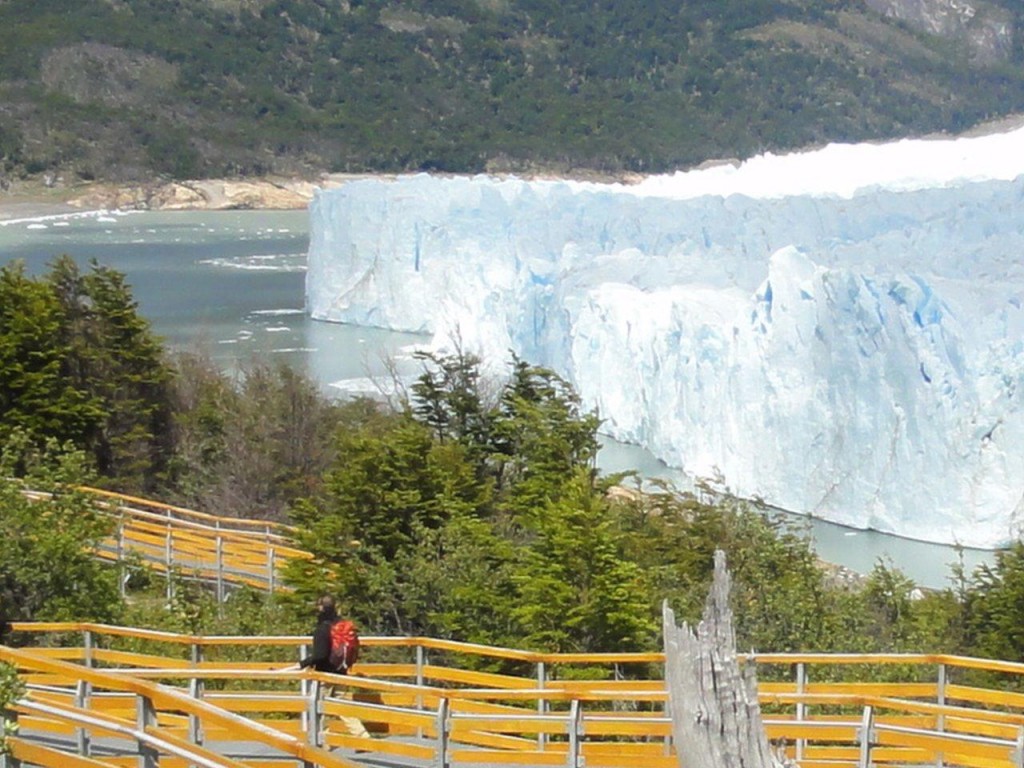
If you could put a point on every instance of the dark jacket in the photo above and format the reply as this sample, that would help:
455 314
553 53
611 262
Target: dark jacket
320 658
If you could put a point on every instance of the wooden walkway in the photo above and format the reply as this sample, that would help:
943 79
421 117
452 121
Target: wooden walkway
170 540
178 699
102 696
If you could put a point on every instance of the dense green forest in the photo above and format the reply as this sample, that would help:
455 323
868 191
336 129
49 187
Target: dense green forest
133 89
465 508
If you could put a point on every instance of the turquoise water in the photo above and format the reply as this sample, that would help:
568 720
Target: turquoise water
233 283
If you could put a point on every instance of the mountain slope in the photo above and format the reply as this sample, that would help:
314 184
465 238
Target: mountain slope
127 89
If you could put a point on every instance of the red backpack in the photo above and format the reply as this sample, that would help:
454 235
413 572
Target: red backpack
344 645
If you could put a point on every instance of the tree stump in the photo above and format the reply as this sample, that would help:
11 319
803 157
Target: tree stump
716 717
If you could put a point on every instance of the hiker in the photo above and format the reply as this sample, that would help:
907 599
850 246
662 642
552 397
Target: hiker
326 615
320 659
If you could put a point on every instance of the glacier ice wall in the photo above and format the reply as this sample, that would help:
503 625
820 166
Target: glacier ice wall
839 333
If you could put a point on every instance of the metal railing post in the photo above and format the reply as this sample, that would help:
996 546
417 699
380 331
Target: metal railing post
271 571
145 718
542 703
87 648
314 715
865 736
801 707
1018 753
940 699
195 727
575 727
441 756
421 660
168 561
304 692
220 575
83 689
122 570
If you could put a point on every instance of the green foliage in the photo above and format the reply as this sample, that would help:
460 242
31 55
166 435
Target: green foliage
35 395
540 435
480 517
117 362
78 363
576 589
246 447
47 569
11 689
994 606
473 511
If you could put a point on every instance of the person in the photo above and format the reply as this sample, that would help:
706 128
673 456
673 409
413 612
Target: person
319 659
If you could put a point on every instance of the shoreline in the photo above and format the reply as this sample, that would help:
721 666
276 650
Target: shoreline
17 211
34 199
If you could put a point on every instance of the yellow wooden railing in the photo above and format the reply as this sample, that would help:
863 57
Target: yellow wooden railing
169 694
220 550
435 706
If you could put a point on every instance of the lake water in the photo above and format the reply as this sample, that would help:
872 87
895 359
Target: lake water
233 282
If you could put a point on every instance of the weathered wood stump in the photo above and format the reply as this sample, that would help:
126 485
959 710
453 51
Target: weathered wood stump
716 718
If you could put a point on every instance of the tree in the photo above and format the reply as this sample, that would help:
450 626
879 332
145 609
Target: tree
78 363
48 571
458 515
391 484
577 590
35 393
994 607
448 399
115 360
539 435
248 446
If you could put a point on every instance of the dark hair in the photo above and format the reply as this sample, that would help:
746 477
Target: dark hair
325 602
326 608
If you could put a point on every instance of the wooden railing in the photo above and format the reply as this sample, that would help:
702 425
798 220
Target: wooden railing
166 697
172 540
436 706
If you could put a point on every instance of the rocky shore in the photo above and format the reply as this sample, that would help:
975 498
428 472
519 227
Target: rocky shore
49 197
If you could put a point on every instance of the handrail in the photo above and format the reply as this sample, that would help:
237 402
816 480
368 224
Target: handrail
174 700
503 725
240 522
219 549
511 654
165 744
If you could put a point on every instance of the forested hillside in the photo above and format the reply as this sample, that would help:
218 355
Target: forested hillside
131 89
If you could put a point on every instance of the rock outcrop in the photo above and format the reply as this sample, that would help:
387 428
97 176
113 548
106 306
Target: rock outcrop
985 28
212 195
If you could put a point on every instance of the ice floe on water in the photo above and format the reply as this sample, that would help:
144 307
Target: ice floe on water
272 262
64 219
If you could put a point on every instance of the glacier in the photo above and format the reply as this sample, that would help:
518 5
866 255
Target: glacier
837 332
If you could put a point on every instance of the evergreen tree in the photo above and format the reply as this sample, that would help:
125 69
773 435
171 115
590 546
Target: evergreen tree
578 591
392 484
994 606
540 436
35 392
114 358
